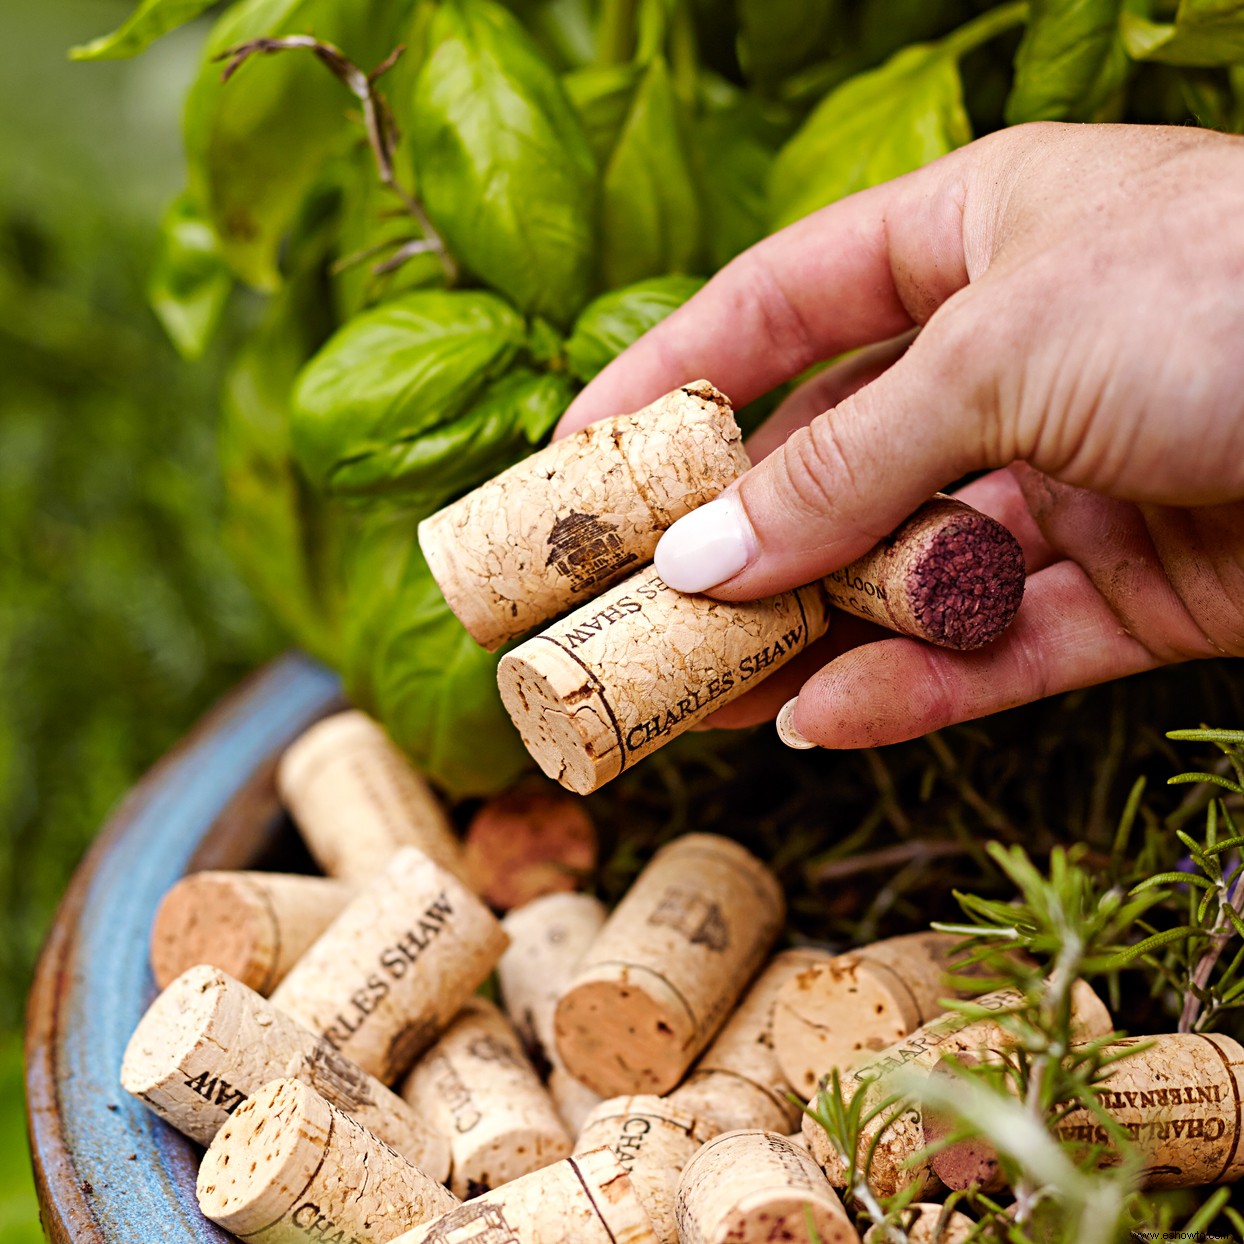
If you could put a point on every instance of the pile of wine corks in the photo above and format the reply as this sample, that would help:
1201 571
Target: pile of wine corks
419 1046
569 534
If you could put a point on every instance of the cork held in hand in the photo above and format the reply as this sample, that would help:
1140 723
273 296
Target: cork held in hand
949 575
641 664
569 521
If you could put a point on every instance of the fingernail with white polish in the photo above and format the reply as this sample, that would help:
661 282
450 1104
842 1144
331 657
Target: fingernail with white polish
786 727
707 546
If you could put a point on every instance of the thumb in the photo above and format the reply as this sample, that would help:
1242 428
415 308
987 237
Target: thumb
841 483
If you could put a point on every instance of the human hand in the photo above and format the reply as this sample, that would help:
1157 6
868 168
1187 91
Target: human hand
1079 295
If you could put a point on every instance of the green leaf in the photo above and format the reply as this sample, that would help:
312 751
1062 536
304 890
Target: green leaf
257 144
650 213
285 539
411 663
190 282
504 168
1204 32
392 377
779 37
602 95
734 147
617 319
504 424
146 24
873 127
1070 62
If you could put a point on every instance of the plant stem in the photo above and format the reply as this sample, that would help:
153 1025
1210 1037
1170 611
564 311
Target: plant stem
985 27
377 120
616 39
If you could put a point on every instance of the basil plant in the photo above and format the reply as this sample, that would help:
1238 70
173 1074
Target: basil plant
427 223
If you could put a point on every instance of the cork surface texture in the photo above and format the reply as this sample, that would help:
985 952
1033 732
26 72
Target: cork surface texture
251 925
738 1079
948 575
478 1087
388 975
1179 1098
927 1222
754 1187
356 800
567 522
668 965
653 1139
900 1130
288 1166
208 1042
835 1013
587 1199
639 665
548 938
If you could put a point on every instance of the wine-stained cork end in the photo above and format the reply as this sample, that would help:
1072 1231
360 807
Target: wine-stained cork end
967 584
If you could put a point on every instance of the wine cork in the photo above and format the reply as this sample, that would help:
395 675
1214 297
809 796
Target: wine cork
251 925
752 1187
548 938
653 1140
949 575
926 1222
288 1166
208 1042
573 1099
387 976
586 1199
526 843
1179 1097
670 962
737 1083
565 523
356 799
839 1011
639 665
476 1086
891 1169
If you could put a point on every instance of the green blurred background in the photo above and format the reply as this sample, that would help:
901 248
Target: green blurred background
120 616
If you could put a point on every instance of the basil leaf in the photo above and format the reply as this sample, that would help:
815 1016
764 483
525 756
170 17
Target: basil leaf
1204 32
146 24
392 376
873 127
1070 62
285 539
735 145
650 214
887 25
503 166
372 234
258 143
190 282
564 29
778 37
411 663
504 424
617 319
602 95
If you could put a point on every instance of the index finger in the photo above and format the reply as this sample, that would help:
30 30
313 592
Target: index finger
861 270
